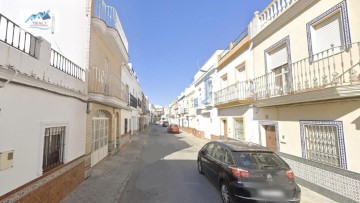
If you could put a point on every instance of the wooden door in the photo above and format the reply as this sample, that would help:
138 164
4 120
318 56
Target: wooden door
225 130
270 137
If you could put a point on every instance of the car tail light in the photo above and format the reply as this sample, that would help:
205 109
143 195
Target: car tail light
290 174
240 173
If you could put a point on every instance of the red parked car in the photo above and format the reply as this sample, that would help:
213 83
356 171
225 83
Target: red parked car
173 128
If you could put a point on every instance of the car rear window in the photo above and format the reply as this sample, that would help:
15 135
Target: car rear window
175 126
258 160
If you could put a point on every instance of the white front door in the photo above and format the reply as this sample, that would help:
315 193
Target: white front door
100 139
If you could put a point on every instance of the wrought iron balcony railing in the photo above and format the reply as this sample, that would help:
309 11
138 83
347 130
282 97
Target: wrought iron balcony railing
109 15
331 68
237 91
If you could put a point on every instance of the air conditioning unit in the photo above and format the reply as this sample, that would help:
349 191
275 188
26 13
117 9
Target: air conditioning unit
6 159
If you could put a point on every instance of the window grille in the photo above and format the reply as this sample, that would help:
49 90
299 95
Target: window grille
322 144
54 142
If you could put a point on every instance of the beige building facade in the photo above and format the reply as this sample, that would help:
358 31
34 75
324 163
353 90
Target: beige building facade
306 99
108 111
291 83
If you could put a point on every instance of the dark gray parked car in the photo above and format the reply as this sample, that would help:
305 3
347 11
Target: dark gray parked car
248 172
165 123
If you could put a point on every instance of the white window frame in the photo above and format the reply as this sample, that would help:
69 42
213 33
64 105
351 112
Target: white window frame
243 123
341 9
103 132
237 72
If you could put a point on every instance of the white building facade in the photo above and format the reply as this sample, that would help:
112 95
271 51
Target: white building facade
43 93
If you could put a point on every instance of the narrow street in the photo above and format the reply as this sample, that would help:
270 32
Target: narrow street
156 167
167 171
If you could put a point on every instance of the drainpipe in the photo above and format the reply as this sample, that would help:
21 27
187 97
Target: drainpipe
3 84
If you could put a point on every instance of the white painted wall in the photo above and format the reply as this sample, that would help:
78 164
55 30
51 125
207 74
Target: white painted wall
25 112
72 21
250 126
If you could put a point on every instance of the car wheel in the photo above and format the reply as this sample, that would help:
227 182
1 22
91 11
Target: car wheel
225 193
200 167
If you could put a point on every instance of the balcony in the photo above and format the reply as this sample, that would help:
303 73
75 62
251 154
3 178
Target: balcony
107 87
109 15
133 101
106 23
331 74
237 94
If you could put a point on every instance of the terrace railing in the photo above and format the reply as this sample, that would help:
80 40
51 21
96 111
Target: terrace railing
109 15
18 38
62 63
273 10
13 35
108 84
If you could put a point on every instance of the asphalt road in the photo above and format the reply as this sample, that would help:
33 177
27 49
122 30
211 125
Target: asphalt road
167 172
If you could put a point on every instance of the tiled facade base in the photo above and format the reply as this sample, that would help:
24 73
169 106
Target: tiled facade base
214 137
87 165
200 134
187 129
52 187
335 183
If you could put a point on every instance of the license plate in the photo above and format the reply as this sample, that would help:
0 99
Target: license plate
271 193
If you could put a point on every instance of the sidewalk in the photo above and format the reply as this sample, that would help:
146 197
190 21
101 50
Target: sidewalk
115 169
307 195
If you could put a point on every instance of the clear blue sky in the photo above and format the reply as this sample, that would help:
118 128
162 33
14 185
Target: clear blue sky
169 38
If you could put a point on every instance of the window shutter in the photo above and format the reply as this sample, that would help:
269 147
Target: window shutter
277 57
328 33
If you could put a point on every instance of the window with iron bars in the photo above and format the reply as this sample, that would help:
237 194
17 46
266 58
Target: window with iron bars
54 143
322 143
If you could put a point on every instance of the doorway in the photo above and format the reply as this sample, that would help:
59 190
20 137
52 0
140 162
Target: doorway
225 133
270 134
